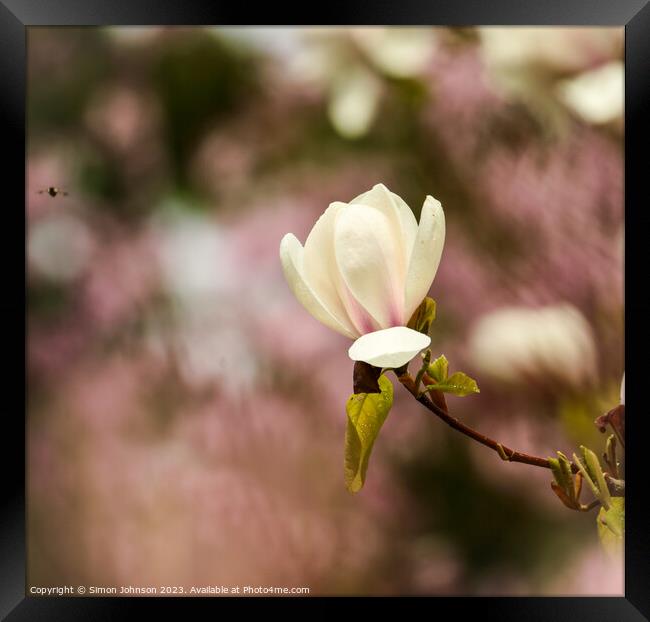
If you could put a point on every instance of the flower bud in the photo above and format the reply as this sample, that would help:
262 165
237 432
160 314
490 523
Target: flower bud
365 268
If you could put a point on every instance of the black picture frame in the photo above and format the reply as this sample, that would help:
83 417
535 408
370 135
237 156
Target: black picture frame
17 15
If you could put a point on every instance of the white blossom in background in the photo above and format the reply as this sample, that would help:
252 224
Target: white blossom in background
135 35
352 90
353 101
623 390
397 52
283 42
562 49
526 63
193 255
596 95
59 246
519 343
365 268
355 90
200 273
344 65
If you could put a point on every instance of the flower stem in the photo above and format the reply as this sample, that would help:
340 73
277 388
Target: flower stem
505 453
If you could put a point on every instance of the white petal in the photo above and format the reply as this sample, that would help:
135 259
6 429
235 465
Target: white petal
396 209
291 256
367 254
322 274
353 102
426 254
596 95
623 390
391 347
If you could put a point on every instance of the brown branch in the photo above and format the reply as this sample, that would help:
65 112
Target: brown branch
505 453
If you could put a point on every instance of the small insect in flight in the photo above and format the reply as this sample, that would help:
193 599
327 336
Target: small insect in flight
52 191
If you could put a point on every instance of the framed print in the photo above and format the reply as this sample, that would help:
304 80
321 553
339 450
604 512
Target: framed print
337 308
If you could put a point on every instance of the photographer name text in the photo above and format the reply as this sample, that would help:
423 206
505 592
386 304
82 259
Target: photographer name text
165 590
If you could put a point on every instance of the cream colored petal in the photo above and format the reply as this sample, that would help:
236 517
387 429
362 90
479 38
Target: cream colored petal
391 347
426 254
321 270
353 101
596 95
381 198
367 254
623 390
291 256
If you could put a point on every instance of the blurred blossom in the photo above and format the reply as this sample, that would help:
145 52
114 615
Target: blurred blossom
557 49
436 567
596 95
397 52
194 257
525 62
623 390
223 162
59 246
213 350
282 42
120 280
353 102
302 342
134 35
592 573
226 518
201 273
122 117
330 59
518 343
50 350
316 59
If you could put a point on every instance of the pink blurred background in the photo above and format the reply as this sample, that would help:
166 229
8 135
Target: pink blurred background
186 415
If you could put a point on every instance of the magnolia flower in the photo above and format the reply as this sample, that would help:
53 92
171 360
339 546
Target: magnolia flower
365 268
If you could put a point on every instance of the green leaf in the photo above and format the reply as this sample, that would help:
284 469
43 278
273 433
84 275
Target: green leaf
586 477
610 455
565 465
564 486
592 465
423 316
439 369
459 384
557 471
611 526
562 473
366 414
